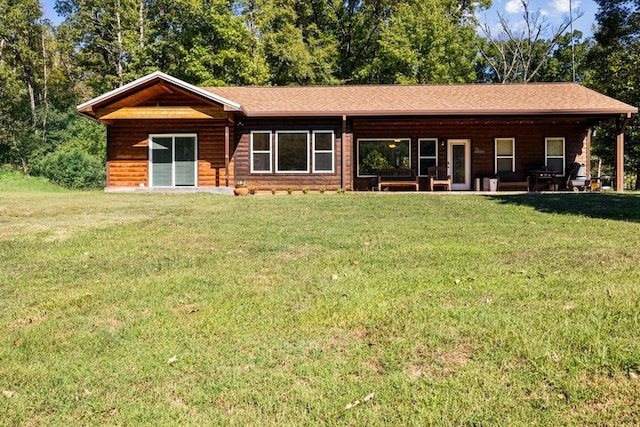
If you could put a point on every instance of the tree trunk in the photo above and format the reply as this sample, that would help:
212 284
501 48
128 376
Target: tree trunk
45 89
141 23
32 104
120 52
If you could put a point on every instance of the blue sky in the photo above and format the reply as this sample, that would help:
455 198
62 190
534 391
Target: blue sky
553 10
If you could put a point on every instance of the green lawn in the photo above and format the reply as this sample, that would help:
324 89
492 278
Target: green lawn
157 309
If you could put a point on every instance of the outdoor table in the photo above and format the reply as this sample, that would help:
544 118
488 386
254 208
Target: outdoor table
546 176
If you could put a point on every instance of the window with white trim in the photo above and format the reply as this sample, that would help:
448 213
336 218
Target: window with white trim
554 154
427 155
323 154
505 149
260 151
292 151
375 154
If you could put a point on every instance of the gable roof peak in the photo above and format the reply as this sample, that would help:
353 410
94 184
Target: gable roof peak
87 107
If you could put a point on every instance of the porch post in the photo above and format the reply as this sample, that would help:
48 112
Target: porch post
620 162
227 149
342 145
623 122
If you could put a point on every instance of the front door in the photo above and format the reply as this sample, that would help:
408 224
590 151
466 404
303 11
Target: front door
459 163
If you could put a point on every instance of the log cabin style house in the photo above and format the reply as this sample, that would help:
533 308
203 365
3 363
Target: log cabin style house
164 133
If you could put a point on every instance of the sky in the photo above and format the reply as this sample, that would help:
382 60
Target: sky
553 10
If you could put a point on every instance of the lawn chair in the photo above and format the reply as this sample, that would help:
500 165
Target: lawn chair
438 177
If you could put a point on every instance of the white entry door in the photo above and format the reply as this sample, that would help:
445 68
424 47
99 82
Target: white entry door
459 163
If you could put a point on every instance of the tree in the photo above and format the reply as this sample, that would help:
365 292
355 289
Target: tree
518 56
567 63
613 63
427 41
24 65
204 42
366 41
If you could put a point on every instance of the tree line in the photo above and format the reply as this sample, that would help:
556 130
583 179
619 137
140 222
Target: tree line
45 69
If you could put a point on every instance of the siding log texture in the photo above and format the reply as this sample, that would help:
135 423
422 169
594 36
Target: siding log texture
282 181
128 150
529 133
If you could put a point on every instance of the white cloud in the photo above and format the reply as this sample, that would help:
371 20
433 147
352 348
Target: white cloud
562 6
513 7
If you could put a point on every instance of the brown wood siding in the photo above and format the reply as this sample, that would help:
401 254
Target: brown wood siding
529 133
282 181
128 150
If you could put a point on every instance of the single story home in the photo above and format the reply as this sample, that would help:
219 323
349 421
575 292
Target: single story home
163 132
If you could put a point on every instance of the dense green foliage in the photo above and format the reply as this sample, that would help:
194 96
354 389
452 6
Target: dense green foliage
211 310
613 62
101 44
72 169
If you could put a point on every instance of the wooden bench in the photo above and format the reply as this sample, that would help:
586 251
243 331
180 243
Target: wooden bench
398 177
512 181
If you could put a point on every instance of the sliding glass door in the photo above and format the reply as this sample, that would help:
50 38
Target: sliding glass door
173 160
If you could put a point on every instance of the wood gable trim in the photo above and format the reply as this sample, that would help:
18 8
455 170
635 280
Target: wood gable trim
160 112
126 95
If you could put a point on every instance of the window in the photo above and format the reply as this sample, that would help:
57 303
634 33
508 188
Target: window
554 154
323 156
374 154
172 160
427 155
292 152
260 151
505 155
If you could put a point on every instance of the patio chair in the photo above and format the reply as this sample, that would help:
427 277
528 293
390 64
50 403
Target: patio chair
438 177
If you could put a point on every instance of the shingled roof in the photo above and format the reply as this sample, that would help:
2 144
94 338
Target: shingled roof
387 100
433 100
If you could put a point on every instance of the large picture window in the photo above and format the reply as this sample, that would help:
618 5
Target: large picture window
505 155
554 155
292 152
173 160
375 154
260 151
427 155
323 155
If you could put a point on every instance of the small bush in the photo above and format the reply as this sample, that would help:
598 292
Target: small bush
73 169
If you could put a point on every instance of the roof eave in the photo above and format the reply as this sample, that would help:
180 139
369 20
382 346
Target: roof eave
456 113
86 108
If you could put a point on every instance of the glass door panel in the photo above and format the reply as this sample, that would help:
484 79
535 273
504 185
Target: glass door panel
458 164
185 161
161 159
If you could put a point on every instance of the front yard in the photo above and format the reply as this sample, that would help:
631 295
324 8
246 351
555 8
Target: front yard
355 309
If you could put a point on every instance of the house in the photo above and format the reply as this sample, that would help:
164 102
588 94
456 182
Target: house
166 133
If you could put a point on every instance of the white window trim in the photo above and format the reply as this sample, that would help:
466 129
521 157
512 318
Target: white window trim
377 139
332 151
512 156
173 136
564 152
270 151
277 152
420 140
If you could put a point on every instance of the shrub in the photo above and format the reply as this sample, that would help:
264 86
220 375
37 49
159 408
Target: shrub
73 169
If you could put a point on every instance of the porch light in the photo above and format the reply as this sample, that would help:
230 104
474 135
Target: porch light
392 145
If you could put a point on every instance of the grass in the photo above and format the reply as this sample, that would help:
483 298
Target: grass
197 309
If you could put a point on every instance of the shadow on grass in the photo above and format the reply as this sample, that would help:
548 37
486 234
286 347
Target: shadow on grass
616 206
